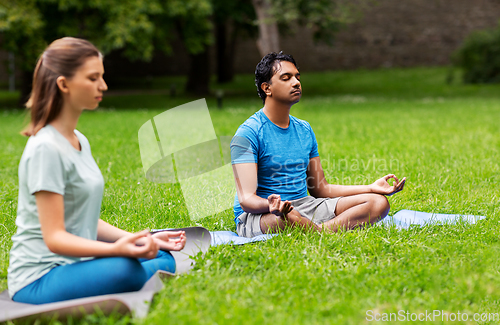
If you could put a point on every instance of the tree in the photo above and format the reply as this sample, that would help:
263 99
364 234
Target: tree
268 40
325 17
266 20
137 26
233 20
20 25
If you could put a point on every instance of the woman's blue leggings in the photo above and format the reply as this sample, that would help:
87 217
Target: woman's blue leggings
100 276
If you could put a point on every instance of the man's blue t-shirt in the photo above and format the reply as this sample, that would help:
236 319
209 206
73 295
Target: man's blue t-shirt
281 154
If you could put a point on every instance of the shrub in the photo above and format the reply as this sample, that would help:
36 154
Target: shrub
479 57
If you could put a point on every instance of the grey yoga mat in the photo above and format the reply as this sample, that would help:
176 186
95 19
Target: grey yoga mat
135 303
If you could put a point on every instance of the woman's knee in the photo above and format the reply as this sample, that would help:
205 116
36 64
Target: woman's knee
129 273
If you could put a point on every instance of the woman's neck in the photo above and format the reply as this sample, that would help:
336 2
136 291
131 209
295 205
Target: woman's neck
66 123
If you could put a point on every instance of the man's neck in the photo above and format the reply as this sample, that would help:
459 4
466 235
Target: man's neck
278 113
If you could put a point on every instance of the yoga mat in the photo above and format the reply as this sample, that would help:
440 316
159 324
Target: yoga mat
232 238
135 303
402 219
197 240
406 218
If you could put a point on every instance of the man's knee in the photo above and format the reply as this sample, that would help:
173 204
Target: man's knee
380 205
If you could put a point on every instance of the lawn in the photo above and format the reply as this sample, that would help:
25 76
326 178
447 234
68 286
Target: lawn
443 137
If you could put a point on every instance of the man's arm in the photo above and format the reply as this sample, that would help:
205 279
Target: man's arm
245 177
319 187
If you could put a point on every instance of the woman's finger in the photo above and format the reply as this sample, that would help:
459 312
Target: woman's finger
133 237
174 233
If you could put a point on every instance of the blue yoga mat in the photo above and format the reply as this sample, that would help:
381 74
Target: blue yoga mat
402 219
406 218
232 238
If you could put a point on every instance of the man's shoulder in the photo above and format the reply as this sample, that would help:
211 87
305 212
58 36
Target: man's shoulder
256 120
300 123
253 123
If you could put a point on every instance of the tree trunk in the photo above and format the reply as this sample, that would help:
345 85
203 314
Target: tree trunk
199 73
225 50
268 40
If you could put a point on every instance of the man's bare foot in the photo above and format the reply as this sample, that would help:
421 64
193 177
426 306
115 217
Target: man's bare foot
285 211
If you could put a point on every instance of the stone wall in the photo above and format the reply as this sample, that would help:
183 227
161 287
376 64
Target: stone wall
393 33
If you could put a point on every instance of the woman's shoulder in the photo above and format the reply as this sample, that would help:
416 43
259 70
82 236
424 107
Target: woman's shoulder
47 141
45 138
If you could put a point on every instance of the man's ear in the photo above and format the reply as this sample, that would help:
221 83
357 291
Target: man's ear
62 84
266 87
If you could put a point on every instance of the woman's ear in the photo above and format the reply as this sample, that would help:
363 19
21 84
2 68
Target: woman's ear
62 84
266 87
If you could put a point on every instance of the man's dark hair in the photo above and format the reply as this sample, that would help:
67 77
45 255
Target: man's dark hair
266 69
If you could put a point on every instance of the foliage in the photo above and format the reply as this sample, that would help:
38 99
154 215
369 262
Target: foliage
240 12
324 17
193 21
136 26
20 26
479 57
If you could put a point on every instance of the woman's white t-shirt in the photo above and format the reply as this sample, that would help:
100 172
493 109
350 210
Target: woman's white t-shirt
50 163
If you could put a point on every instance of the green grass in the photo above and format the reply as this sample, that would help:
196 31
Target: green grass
443 137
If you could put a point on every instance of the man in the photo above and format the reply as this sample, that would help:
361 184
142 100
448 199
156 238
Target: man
276 162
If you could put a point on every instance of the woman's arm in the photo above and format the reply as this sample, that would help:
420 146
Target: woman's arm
51 215
109 233
166 240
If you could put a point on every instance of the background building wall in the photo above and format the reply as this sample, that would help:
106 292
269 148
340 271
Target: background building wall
393 33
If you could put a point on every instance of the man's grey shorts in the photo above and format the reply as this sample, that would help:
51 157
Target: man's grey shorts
317 210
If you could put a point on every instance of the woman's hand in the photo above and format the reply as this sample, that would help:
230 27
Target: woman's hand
278 208
382 186
170 240
128 245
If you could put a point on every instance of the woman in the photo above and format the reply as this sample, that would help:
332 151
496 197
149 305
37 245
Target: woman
60 192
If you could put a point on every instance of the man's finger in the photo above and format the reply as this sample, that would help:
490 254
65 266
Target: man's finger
402 183
387 177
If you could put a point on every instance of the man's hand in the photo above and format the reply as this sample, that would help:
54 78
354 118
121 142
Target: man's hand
278 208
382 186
